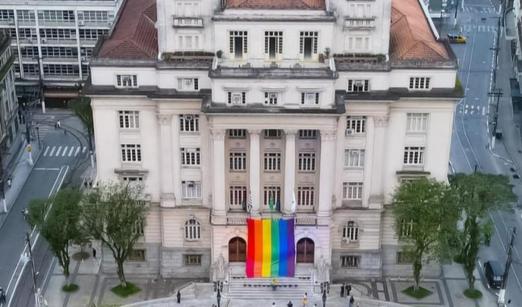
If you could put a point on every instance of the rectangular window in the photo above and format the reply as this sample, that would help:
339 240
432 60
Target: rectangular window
132 178
305 197
306 162
417 122
237 197
308 43
189 123
130 153
272 161
354 158
191 189
310 99
272 133
350 261
352 190
414 155
419 83
405 229
355 125
237 161
272 195
238 43
190 156
136 255
271 98
192 259
127 81
236 98
273 43
129 119
308 134
237 133
358 86
188 84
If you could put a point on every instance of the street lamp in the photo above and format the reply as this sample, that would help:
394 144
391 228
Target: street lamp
29 258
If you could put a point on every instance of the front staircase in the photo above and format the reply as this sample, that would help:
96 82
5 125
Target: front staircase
287 288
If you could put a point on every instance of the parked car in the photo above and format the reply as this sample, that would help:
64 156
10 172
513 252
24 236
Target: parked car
494 274
457 38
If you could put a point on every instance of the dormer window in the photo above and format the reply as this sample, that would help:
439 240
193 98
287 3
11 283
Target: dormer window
127 81
238 43
236 98
310 98
188 84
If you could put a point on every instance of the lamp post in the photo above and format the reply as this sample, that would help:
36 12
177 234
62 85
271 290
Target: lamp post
324 297
30 258
38 136
218 297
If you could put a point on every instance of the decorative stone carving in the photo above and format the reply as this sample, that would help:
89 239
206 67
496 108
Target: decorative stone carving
164 119
218 134
328 135
381 121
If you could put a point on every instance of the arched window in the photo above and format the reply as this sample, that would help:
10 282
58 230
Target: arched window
192 230
305 250
236 250
351 231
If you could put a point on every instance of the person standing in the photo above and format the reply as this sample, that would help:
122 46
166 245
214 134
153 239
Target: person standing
3 299
342 289
290 304
305 299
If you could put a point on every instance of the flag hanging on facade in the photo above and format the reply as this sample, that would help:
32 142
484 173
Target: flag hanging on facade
270 248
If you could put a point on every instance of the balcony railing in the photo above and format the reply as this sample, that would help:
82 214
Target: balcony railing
187 22
61 41
359 23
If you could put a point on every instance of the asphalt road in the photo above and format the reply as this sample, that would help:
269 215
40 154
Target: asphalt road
471 141
53 170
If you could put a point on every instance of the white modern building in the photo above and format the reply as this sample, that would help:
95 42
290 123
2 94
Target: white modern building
57 38
216 105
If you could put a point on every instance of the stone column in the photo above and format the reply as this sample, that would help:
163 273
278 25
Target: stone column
218 160
255 169
167 197
289 170
327 172
378 157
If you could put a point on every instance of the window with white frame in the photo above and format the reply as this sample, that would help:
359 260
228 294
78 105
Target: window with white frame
189 123
237 133
350 261
405 228
272 195
417 122
129 119
354 158
419 83
188 84
358 86
271 98
187 8
358 43
355 125
273 43
414 155
272 133
139 227
190 156
306 161
360 10
192 259
309 98
307 134
305 197
191 189
127 81
6 15
192 230
130 153
272 161
236 98
237 161
237 196
352 190
308 43
189 42
351 231
238 43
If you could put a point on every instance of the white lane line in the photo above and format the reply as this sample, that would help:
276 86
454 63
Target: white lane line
483 111
84 149
46 169
71 151
58 151
52 151
46 150
77 150
65 151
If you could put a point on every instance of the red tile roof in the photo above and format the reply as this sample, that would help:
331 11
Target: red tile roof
134 37
411 37
276 4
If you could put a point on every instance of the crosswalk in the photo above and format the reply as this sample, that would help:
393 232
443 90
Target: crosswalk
64 151
471 109
478 9
479 28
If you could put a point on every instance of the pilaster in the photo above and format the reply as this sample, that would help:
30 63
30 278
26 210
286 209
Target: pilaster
218 161
327 172
289 171
167 197
255 170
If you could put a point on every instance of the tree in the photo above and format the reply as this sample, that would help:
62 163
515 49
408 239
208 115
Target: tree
426 218
82 108
477 194
115 213
58 220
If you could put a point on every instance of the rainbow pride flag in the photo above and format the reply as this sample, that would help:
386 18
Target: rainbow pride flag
270 248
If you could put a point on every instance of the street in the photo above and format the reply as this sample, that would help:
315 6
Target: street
54 169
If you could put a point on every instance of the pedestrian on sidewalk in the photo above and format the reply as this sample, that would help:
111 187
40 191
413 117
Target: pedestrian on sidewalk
178 297
290 304
352 300
305 299
273 304
58 124
9 182
342 289
3 299
94 253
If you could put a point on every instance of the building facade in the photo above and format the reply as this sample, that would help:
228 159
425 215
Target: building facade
9 119
225 109
56 38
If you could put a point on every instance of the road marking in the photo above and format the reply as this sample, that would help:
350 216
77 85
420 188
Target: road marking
46 150
77 151
58 151
84 149
46 169
483 111
71 151
52 151
65 151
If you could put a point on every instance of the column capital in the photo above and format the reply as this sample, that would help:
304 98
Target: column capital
381 121
218 134
328 134
164 119
254 131
291 131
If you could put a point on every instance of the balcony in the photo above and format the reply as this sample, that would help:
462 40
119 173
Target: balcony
187 22
367 23
60 41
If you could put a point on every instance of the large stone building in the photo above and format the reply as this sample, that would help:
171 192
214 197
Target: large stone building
55 37
219 106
